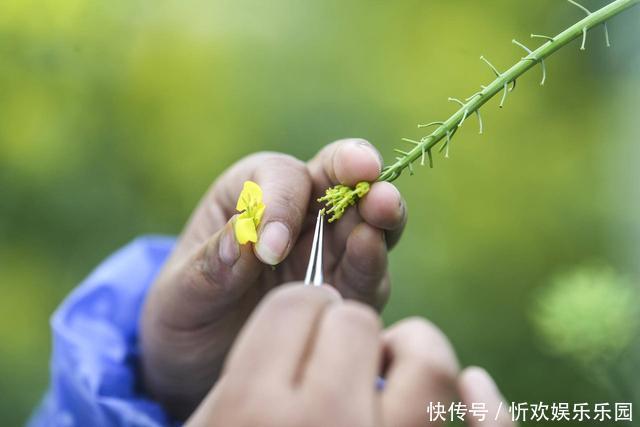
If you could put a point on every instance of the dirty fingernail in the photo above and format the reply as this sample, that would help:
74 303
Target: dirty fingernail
229 249
272 243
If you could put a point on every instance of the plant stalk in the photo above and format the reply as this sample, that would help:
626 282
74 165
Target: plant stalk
501 83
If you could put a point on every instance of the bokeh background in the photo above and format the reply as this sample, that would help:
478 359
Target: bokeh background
115 116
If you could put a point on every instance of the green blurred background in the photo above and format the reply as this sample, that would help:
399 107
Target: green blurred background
115 116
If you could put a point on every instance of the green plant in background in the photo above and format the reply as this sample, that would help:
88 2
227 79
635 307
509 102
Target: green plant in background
121 113
339 198
590 315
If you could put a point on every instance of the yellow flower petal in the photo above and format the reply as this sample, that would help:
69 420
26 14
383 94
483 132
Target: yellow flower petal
251 195
258 213
252 208
245 230
244 215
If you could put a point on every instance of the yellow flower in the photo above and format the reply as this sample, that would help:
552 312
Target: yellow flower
338 198
252 208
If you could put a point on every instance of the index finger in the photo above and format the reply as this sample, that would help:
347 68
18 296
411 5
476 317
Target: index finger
422 369
276 338
286 188
350 161
477 389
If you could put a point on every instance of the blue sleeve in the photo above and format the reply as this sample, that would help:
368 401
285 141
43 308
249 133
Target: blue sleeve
94 373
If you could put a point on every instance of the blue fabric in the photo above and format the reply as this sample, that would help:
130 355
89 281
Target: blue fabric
94 375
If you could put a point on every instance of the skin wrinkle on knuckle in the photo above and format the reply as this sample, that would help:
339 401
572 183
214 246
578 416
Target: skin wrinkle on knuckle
282 161
232 177
248 168
287 207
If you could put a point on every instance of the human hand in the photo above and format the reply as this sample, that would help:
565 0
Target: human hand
209 286
307 359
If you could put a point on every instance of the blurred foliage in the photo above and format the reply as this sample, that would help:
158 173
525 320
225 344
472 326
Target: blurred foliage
115 116
590 314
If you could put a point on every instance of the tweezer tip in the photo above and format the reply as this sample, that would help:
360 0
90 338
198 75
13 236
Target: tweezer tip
314 266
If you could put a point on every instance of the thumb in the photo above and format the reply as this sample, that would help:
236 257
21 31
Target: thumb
195 289
193 293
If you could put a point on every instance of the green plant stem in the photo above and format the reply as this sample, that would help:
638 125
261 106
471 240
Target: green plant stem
500 84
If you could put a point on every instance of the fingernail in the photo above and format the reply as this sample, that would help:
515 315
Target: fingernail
273 242
366 146
229 249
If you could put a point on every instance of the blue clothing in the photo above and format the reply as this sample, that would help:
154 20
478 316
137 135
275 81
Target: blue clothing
94 372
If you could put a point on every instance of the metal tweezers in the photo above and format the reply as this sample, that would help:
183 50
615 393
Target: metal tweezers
315 258
314 268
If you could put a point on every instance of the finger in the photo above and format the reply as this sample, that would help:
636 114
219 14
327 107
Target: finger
362 269
190 295
347 162
384 208
197 288
216 271
286 185
477 390
345 358
337 235
286 188
275 340
422 368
